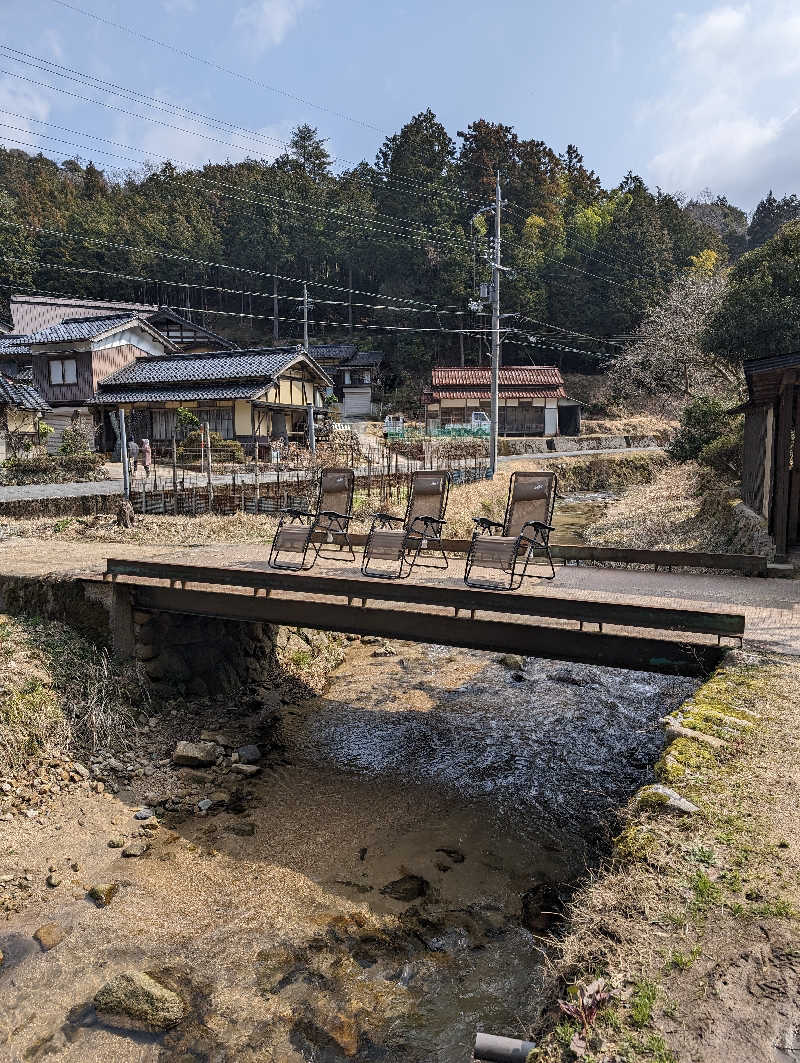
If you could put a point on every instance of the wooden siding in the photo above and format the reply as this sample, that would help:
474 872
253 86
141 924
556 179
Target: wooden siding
91 366
754 453
64 394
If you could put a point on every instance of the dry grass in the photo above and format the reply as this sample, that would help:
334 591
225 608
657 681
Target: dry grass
662 515
688 902
646 424
57 690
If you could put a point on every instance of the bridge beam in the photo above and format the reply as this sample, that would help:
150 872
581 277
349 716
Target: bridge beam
615 651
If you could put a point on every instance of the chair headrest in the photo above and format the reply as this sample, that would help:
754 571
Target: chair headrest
527 489
335 481
429 483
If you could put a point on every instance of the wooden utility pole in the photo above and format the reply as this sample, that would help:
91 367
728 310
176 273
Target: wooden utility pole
275 323
305 317
350 299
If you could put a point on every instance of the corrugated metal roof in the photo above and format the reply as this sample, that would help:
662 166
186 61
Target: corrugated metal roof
12 393
259 365
484 393
521 376
169 393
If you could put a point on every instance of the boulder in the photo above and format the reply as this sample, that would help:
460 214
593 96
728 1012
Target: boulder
195 754
135 1001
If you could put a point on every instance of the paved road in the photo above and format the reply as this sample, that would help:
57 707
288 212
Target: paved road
114 486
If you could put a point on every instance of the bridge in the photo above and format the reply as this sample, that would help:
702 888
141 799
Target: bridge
540 622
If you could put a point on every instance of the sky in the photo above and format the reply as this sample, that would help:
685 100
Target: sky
691 95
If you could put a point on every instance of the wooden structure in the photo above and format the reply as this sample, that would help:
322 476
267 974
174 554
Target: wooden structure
533 401
421 613
21 410
771 455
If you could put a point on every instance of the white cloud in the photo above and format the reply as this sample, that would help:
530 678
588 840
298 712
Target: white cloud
265 23
731 117
23 103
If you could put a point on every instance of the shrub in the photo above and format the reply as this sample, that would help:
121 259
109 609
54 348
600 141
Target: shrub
703 420
186 420
227 451
724 454
76 440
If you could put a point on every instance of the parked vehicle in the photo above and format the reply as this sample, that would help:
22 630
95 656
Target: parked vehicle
478 425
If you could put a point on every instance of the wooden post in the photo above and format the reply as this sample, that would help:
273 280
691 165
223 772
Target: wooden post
207 433
783 437
174 472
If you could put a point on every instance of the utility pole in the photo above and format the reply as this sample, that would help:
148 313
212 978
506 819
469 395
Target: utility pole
276 330
305 317
495 332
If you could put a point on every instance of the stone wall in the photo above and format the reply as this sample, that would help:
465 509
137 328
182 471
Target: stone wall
742 530
511 446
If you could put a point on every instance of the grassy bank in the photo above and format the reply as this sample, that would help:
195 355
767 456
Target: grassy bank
59 691
692 929
612 472
683 507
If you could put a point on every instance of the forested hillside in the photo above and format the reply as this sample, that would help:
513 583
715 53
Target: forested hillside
583 259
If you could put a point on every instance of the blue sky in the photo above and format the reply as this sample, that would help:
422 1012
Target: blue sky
689 95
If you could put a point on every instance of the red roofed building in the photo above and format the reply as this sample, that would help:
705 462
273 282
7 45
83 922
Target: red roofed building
533 401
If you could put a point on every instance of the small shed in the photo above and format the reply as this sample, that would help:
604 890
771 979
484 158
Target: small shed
771 453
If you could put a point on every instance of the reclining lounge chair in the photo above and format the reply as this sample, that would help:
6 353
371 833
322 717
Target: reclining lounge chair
398 541
298 528
509 547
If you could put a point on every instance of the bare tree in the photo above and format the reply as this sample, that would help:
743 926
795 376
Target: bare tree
666 358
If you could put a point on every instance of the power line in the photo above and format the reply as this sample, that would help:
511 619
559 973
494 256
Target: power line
218 66
90 81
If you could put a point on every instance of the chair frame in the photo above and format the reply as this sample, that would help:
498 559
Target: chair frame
337 524
534 535
417 534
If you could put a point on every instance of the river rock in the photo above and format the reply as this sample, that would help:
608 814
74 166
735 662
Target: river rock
664 797
135 849
246 769
144 813
195 754
49 935
102 893
116 843
249 754
407 888
512 661
53 880
135 1001
244 829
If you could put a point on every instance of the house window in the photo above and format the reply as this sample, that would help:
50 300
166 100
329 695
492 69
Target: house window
63 371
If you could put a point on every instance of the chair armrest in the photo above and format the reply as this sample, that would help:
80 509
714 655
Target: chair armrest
427 522
386 518
333 513
537 525
295 511
485 523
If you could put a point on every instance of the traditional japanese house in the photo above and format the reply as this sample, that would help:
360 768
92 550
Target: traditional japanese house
533 401
244 395
355 374
70 359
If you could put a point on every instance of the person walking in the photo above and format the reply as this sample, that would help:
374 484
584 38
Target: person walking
133 455
147 456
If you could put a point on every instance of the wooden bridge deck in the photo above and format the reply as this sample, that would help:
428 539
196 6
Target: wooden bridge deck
430 612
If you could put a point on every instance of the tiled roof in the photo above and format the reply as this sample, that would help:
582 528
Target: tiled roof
483 393
15 344
364 360
12 393
519 376
260 364
25 376
82 328
120 394
179 319
338 352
